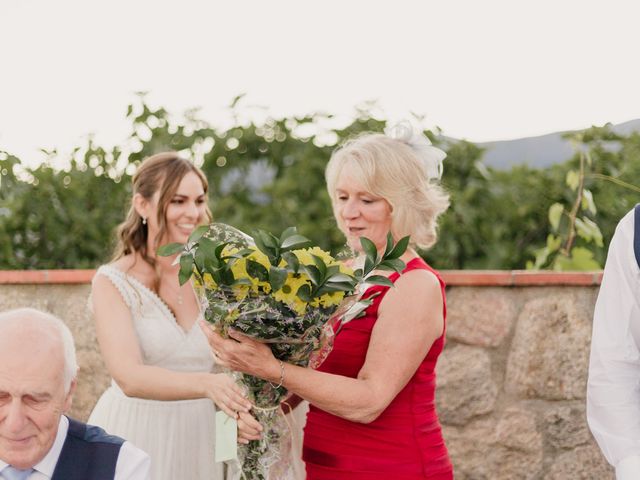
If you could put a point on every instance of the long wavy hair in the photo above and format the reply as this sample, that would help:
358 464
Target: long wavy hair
162 173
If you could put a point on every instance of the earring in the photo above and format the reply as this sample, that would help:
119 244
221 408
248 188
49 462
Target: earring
144 220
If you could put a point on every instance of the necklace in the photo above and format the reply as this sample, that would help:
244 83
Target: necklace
176 293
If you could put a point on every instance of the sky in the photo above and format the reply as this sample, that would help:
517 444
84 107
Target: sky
480 70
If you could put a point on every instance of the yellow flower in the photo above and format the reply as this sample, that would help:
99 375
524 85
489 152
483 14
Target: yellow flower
288 294
229 250
209 282
239 269
347 270
261 258
318 252
330 299
304 257
241 291
257 286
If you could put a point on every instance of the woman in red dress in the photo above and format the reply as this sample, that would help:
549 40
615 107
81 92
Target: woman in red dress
372 412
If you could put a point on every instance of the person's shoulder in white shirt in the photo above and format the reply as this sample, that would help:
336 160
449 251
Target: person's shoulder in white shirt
613 388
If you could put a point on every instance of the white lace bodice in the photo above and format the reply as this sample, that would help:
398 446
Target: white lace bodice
162 340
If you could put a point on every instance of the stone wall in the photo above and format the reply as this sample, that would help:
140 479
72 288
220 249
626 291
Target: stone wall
511 380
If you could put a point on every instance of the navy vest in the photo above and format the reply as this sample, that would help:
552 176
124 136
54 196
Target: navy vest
88 453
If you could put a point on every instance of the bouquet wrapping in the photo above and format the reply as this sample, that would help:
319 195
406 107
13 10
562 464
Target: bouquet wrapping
283 292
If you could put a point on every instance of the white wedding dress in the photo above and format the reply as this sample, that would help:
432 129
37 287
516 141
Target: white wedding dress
178 435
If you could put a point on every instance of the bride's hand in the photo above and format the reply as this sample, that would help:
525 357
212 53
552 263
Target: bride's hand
248 428
226 394
243 354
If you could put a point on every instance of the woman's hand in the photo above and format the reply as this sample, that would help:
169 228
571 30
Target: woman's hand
226 394
243 354
248 428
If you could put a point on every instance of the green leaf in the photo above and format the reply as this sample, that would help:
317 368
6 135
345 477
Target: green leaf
314 274
369 248
336 287
358 273
392 264
245 252
304 293
379 280
292 261
369 265
555 214
333 287
295 241
211 265
400 248
277 277
287 233
208 248
257 239
589 230
553 242
186 269
257 270
199 259
218 250
389 247
170 249
573 179
332 270
587 157
198 233
226 276
581 259
268 240
340 277
587 201
542 254
322 267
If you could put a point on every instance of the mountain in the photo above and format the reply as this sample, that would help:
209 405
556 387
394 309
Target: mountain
538 152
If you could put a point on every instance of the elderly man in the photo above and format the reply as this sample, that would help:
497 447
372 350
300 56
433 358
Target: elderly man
37 381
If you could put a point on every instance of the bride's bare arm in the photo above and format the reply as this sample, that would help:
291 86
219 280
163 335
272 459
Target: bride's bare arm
123 358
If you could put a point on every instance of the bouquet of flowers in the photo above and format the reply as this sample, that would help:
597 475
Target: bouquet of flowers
283 292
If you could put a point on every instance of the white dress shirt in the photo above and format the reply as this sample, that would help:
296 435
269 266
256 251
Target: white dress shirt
613 389
132 463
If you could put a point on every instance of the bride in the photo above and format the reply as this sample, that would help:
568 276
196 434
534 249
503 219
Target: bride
165 384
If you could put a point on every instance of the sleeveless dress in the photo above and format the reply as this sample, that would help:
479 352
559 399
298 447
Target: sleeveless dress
178 435
405 442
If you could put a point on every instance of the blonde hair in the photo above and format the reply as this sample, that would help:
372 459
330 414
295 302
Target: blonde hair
389 168
162 173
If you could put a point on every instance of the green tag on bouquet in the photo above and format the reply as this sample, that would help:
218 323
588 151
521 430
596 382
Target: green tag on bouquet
226 437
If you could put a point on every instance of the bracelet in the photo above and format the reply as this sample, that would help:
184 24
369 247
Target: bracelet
281 376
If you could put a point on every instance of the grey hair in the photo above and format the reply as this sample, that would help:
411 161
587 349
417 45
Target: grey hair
389 168
66 337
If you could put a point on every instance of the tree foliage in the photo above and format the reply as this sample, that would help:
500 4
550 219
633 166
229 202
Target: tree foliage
62 213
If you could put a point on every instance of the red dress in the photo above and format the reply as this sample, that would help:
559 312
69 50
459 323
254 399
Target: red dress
405 442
